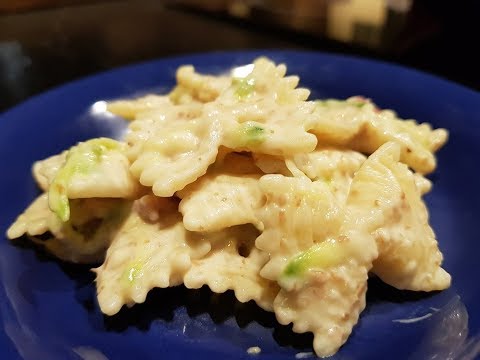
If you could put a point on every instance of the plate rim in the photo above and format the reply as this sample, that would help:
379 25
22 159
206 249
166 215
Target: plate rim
10 112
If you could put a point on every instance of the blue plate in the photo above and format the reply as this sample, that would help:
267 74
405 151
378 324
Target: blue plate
49 310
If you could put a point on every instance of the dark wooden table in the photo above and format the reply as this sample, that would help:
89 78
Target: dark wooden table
42 48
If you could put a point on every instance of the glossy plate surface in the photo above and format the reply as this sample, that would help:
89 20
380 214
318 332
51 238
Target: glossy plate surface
48 309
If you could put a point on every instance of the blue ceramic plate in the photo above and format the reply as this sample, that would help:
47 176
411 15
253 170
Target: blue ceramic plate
49 309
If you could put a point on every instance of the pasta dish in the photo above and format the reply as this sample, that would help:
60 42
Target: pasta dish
239 182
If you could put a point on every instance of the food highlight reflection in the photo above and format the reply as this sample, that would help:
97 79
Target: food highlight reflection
447 337
242 71
99 114
99 108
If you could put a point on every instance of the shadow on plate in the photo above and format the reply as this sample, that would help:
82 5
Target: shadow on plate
219 308
378 291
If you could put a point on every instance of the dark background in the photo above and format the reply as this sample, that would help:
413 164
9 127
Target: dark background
47 43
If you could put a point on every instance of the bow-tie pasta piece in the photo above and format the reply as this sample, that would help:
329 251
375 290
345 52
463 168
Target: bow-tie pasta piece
152 122
273 129
82 239
325 162
175 152
152 249
94 168
321 265
357 123
334 166
329 301
265 80
409 257
195 87
131 109
219 200
264 112
337 122
45 170
234 263
34 220
419 141
297 213
191 87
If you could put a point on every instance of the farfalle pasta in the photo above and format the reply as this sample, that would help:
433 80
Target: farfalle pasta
239 182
